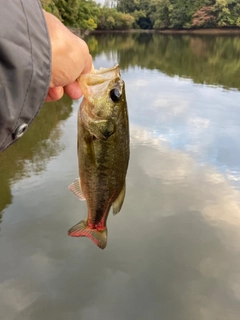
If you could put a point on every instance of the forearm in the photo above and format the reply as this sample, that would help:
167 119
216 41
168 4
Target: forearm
25 66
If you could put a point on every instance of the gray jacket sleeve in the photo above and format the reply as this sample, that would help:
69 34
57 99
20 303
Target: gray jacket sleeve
25 66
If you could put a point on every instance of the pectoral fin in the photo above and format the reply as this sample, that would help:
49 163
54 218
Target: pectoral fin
75 187
117 205
101 129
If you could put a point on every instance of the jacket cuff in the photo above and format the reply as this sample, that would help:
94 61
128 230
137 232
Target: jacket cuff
25 67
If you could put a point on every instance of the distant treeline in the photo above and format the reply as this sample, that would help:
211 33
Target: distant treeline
146 14
206 59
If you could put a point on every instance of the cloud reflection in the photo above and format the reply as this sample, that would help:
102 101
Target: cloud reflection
198 119
194 221
172 253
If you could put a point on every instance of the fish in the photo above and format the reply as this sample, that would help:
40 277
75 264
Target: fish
103 151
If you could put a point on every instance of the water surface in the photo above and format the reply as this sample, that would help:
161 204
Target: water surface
173 250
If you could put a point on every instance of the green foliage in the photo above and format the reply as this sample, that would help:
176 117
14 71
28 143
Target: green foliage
227 12
183 14
160 13
111 19
68 10
125 21
139 16
139 9
107 19
128 5
206 59
50 6
81 14
146 14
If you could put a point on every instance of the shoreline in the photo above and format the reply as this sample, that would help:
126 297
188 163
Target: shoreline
210 31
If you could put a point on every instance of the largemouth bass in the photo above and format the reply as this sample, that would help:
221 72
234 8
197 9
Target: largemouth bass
103 151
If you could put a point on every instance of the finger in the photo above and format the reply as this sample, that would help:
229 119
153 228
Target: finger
54 94
89 65
73 90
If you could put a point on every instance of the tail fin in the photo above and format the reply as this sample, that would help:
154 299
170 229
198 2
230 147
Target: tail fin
81 229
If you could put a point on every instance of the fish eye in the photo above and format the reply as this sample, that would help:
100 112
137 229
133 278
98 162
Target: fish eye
115 95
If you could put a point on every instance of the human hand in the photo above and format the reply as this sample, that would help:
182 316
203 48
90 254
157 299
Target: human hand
70 58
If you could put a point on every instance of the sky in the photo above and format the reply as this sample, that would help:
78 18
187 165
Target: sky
100 1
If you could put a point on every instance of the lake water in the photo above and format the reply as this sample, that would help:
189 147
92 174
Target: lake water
174 249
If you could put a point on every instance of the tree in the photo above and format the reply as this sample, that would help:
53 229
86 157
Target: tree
125 21
81 14
227 12
159 13
223 13
68 10
204 17
146 14
88 14
114 20
128 6
50 6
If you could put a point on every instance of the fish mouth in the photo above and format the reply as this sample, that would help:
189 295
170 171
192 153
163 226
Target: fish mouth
99 80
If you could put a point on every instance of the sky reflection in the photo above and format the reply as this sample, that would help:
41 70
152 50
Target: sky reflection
173 250
200 120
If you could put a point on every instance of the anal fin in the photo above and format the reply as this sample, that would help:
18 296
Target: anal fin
117 204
